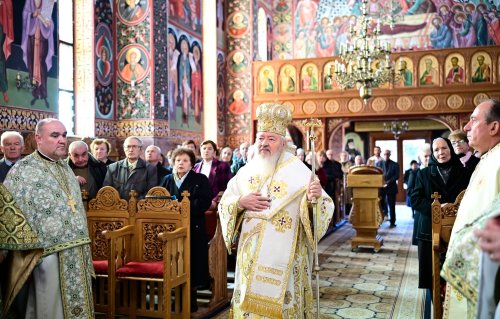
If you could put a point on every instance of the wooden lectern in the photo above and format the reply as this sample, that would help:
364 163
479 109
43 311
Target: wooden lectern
365 216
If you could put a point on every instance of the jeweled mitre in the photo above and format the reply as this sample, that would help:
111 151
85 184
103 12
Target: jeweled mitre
274 118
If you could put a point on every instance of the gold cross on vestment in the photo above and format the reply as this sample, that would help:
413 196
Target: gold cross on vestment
72 204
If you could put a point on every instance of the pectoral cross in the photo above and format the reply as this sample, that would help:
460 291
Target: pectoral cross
72 204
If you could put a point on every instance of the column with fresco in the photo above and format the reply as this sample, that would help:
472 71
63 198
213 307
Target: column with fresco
240 53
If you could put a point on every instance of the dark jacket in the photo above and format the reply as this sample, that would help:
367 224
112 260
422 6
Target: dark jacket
391 175
428 181
161 171
141 179
200 197
472 163
333 170
4 169
220 174
98 171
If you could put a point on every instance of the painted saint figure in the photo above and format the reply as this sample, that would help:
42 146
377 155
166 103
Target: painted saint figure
133 70
6 38
185 65
456 73
483 70
196 83
38 45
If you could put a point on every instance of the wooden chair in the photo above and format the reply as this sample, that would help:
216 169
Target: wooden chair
443 218
105 212
149 257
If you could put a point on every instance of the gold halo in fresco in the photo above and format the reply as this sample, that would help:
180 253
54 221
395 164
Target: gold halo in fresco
455 101
379 104
332 106
309 107
479 98
429 102
355 105
404 103
289 105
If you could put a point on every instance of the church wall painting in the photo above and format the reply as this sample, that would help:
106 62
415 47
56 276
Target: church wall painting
321 26
37 77
132 12
185 75
238 62
133 44
221 95
282 30
159 69
104 57
186 14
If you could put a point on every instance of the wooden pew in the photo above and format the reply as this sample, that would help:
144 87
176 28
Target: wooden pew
443 218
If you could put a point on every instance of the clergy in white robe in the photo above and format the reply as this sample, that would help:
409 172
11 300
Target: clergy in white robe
48 195
268 204
483 132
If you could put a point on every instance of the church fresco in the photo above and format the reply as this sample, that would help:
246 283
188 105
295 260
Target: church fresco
29 80
185 96
133 77
322 26
186 13
104 57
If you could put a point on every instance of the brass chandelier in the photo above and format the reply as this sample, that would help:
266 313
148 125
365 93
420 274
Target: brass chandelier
365 59
396 128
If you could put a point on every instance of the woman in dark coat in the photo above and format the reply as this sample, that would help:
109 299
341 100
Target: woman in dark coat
447 176
182 179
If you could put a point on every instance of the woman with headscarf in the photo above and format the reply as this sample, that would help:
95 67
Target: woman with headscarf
446 175
183 178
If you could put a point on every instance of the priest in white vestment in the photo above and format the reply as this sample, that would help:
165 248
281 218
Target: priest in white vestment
483 132
48 197
268 204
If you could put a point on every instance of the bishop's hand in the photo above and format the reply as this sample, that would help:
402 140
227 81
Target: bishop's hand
254 202
314 190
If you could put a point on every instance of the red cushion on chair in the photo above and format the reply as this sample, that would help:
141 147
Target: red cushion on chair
100 266
141 269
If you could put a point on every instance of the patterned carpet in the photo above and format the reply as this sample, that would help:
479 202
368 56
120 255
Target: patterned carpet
365 284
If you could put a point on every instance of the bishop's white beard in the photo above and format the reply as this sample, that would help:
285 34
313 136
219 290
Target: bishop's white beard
264 165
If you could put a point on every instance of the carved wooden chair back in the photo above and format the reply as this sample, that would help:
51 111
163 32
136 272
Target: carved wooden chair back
443 218
149 257
105 212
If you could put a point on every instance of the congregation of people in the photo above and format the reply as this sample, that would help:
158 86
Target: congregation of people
44 188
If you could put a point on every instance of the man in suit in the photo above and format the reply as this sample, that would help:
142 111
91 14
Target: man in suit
390 189
132 172
89 171
154 158
12 146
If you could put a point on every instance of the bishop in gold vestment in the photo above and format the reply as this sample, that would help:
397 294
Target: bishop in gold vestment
268 201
